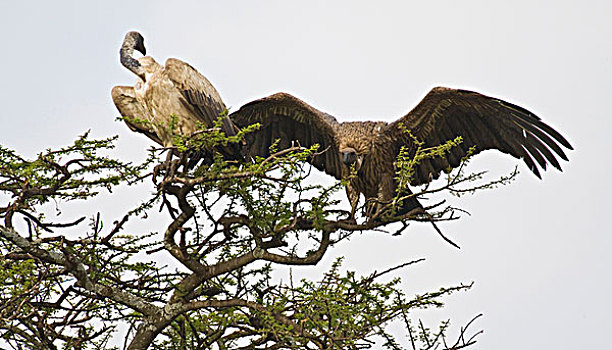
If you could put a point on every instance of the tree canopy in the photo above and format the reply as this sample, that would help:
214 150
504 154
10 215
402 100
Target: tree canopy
204 280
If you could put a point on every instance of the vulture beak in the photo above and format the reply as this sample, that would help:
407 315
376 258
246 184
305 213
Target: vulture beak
140 47
138 42
349 156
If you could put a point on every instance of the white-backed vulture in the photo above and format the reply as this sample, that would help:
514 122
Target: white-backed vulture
175 90
482 121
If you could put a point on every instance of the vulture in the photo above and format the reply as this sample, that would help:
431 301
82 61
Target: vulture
174 99
372 148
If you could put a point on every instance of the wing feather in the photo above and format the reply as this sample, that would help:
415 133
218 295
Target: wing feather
198 94
482 121
288 119
132 111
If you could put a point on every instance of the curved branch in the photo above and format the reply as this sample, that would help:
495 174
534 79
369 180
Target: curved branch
187 213
78 270
219 304
311 259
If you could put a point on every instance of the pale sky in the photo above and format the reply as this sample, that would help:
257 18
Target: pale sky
538 251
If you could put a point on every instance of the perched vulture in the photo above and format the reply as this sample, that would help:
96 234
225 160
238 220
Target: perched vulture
482 121
175 90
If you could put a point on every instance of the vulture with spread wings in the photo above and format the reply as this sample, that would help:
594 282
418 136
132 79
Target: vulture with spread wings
372 147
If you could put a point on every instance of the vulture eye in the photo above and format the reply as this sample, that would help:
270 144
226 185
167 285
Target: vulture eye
349 156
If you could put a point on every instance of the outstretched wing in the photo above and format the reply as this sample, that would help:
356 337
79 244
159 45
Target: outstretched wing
288 119
482 121
133 113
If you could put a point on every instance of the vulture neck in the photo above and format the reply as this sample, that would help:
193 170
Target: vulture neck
128 61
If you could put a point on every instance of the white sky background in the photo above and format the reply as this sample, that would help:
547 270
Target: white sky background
538 251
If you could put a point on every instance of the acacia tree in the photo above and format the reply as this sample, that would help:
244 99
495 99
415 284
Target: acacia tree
205 280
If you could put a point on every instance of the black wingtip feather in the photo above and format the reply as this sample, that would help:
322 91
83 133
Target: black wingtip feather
534 151
543 135
547 153
552 132
530 163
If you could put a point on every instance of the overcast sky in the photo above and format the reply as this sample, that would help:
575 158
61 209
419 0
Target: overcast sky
538 251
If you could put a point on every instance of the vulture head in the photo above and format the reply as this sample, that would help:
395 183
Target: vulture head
350 157
133 41
356 141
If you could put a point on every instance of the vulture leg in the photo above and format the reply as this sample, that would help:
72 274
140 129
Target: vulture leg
387 192
409 204
353 196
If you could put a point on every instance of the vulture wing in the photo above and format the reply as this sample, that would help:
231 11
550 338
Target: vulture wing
131 110
287 119
199 96
198 93
484 122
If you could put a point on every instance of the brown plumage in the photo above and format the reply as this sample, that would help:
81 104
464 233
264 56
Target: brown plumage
482 121
161 92
132 110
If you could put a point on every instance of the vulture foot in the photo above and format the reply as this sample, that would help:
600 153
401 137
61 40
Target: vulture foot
168 167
